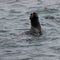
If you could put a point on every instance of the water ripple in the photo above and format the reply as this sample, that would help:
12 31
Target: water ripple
15 41
4 31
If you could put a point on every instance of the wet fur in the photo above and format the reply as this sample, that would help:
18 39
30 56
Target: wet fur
35 25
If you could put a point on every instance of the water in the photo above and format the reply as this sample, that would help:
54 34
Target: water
14 22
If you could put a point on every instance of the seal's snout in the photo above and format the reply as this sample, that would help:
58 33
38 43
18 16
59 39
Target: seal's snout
35 25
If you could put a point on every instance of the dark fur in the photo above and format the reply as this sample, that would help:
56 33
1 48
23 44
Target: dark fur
35 21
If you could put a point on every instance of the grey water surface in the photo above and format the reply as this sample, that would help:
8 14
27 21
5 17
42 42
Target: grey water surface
14 22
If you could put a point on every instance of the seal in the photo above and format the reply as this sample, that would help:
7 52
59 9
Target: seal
35 25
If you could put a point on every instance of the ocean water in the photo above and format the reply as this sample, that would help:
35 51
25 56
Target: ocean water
14 22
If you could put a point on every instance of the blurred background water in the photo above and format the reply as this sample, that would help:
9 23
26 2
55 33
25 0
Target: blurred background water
14 22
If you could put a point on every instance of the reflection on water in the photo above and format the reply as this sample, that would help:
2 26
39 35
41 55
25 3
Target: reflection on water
15 43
